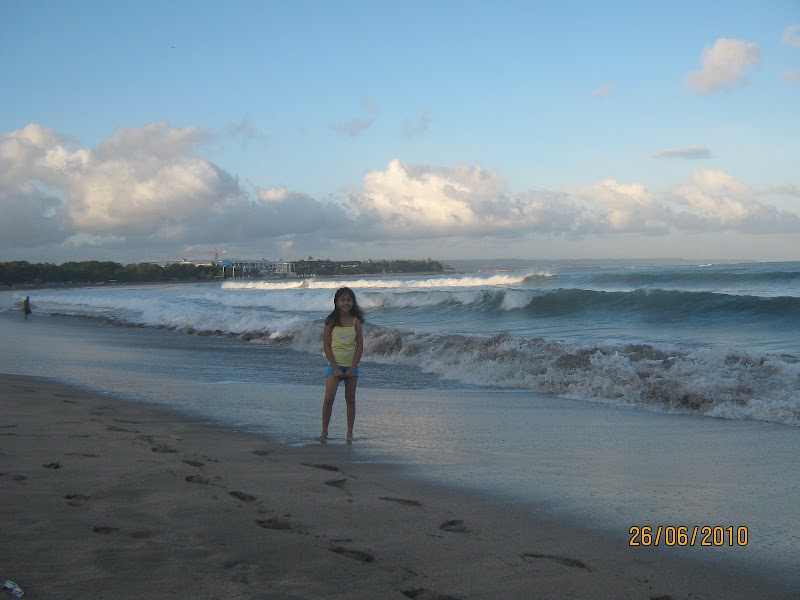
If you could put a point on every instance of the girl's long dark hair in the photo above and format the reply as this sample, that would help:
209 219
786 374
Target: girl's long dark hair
335 318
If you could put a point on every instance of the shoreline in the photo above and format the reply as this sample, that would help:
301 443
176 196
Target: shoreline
101 497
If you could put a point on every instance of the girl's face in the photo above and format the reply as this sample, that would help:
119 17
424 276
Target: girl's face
344 303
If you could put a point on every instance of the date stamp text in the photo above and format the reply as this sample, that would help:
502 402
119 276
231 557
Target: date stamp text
688 535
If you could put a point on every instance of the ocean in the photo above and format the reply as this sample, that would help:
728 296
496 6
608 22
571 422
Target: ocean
615 396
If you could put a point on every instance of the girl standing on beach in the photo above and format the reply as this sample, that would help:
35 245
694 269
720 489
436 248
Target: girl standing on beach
342 341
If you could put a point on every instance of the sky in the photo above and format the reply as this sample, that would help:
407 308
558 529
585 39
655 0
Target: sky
134 131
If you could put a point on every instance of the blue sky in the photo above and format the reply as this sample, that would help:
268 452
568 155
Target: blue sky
152 130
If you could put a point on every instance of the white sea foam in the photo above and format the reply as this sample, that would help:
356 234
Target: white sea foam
426 283
710 382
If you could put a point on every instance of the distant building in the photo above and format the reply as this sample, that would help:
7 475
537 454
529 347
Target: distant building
258 268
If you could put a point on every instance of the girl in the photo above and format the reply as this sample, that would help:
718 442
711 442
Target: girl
343 343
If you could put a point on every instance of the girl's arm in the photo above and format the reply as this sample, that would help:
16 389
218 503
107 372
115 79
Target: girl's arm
359 346
327 337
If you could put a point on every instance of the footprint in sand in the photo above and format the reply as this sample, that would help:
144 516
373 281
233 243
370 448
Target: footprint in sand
105 530
354 554
163 449
337 483
262 452
402 501
243 497
456 526
275 523
426 594
52 465
76 499
197 479
564 560
122 429
194 463
323 467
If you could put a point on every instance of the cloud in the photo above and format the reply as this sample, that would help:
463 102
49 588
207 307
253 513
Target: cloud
614 207
604 90
354 127
143 186
791 35
146 189
717 201
412 129
724 66
421 202
782 190
791 76
688 152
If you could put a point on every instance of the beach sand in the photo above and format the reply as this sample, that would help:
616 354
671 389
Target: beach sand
101 498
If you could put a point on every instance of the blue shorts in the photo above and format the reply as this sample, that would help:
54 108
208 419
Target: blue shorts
342 369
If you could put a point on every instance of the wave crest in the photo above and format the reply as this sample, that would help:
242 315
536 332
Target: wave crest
709 382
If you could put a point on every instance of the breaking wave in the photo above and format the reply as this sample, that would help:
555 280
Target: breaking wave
426 283
715 383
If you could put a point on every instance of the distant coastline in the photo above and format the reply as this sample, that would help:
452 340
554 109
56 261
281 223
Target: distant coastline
16 274
23 273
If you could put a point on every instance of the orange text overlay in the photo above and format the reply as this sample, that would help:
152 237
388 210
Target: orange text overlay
691 535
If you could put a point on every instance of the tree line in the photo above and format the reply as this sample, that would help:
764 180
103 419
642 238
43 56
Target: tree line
95 271
19 272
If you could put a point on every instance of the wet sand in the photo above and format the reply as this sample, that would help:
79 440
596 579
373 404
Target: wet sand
101 498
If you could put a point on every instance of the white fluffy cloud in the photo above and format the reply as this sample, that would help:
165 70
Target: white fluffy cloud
148 188
725 66
145 184
717 201
420 201
614 207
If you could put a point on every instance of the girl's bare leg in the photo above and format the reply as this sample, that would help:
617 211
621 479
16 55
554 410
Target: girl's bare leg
350 384
331 385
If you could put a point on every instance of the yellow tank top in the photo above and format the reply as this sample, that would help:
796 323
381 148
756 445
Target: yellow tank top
343 345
